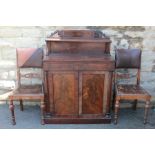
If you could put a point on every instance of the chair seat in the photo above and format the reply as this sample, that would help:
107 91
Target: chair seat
28 92
134 91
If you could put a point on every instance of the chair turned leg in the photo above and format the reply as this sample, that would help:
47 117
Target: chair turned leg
134 107
147 106
116 111
21 105
42 112
11 106
113 102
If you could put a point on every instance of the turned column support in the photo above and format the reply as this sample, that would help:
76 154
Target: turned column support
42 112
147 106
117 105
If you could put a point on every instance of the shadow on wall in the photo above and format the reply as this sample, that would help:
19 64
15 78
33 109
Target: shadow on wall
123 36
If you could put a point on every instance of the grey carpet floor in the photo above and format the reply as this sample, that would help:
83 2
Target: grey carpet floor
30 119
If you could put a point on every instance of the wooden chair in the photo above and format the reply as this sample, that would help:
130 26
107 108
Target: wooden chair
129 59
28 58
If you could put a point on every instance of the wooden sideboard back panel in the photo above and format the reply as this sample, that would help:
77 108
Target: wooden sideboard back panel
76 34
76 47
72 41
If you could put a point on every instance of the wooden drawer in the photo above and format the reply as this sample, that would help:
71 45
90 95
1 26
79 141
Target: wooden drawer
78 66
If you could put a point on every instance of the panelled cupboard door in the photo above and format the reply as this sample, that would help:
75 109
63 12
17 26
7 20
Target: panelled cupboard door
63 90
93 90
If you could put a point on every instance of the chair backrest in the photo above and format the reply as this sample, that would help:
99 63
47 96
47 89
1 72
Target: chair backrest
29 58
128 59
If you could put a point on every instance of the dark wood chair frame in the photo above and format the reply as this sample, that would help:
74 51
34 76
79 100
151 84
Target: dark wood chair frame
29 95
131 96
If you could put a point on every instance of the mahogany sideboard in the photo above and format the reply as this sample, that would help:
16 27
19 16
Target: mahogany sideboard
78 72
